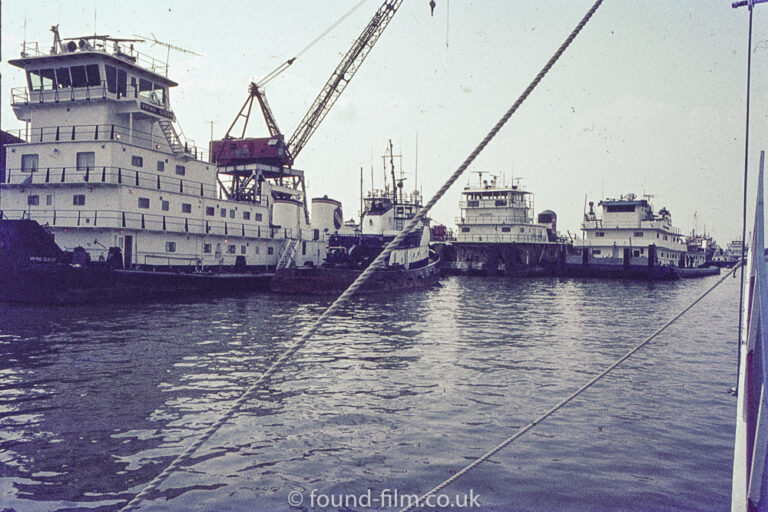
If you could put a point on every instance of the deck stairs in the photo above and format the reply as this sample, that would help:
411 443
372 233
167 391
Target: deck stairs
287 256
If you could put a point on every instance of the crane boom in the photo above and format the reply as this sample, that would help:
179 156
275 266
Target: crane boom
273 150
341 76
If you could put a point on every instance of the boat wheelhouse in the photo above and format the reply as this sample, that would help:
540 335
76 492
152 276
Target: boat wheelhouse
104 163
493 212
629 223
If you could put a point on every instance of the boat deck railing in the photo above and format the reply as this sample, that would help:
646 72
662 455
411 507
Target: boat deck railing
130 55
111 176
644 224
117 219
502 238
101 133
498 220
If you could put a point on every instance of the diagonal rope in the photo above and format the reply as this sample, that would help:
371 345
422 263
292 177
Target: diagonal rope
566 400
377 263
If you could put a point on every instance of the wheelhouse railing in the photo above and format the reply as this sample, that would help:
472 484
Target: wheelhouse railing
129 54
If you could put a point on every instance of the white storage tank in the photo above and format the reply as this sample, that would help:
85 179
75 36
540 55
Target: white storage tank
327 215
287 214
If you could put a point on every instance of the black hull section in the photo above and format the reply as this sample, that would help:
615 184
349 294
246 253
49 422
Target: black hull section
33 269
327 281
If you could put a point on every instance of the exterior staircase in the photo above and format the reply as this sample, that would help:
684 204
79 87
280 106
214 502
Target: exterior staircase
286 258
174 141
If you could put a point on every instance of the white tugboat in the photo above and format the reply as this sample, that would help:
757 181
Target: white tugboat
630 240
104 165
497 233
411 265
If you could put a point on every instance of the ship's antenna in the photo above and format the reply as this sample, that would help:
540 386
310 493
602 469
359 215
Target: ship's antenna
169 47
416 166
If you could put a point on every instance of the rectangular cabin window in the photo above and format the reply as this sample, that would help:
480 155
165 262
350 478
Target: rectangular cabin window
137 161
145 88
501 202
506 230
636 253
144 202
170 246
209 211
256 250
465 230
160 165
242 249
181 170
223 213
231 214
93 77
78 200
596 251
638 234
111 74
62 77
257 217
231 249
165 205
48 77
86 160
207 248
473 203
35 83
122 83
620 208
48 200
79 78
186 208
599 234
29 163
33 200
159 94
270 250
246 215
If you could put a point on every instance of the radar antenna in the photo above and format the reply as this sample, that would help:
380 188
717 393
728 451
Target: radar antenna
169 47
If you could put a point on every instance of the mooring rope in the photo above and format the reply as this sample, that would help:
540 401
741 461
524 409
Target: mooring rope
377 263
565 401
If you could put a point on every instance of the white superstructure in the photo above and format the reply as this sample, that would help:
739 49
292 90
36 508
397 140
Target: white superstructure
493 212
630 223
104 164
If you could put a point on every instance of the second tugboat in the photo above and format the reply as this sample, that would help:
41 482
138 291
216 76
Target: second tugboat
386 212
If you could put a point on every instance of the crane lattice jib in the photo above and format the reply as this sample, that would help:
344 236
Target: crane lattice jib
342 75
269 117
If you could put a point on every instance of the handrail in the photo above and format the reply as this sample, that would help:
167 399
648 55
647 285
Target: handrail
120 219
114 176
142 60
102 132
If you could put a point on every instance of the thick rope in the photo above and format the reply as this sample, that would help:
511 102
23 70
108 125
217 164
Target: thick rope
565 401
377 263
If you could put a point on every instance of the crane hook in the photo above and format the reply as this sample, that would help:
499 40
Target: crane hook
432 7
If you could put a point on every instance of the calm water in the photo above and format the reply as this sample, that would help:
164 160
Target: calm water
398 393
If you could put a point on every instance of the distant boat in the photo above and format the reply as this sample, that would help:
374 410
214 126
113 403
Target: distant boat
750 479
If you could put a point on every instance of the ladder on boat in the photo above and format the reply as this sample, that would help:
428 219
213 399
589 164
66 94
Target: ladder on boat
174 141
286 257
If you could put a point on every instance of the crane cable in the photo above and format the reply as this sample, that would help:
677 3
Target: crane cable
282 67
377 263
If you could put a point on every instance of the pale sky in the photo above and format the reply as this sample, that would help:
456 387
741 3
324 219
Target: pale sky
649 99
